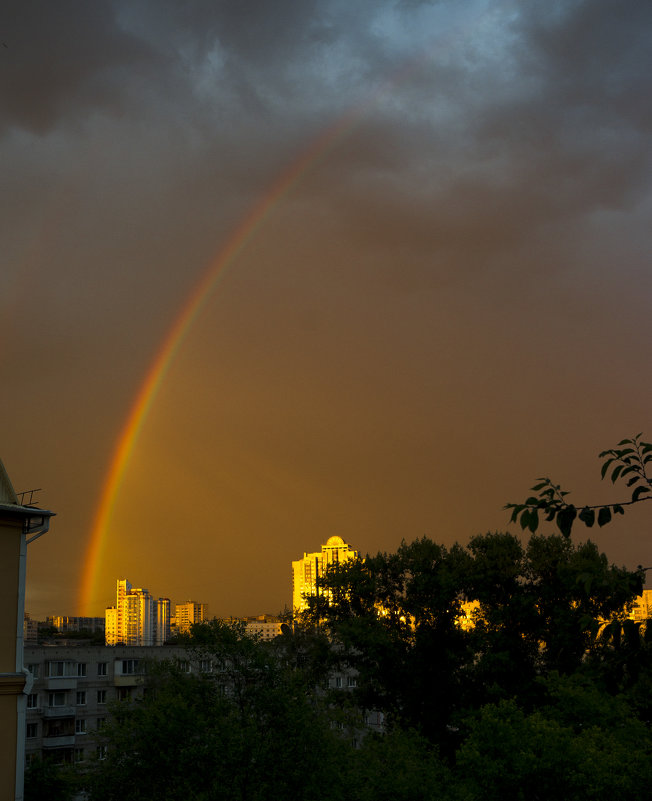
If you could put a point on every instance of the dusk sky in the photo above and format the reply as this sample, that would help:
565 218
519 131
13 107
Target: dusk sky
423 232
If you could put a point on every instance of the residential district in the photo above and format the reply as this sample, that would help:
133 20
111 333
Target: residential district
73 681
58 677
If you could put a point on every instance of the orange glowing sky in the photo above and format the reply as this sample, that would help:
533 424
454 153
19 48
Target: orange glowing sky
317 268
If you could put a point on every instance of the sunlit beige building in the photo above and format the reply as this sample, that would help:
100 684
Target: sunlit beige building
306 571
189 613
137 618
642 609
264 627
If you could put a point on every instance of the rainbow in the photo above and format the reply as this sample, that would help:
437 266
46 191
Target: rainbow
318 149
176 335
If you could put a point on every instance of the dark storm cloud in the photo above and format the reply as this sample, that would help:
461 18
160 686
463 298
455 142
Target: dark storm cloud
538 136
60 60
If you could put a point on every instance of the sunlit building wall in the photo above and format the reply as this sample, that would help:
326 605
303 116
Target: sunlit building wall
111 626
133 620
264 627
642 609
306 571
162 621
189 613
140 622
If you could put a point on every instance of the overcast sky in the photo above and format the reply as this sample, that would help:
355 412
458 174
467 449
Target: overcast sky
451 299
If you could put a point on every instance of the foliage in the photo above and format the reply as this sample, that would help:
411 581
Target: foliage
628 460
46 781
246 729
394 619
501 669
579 745
400 765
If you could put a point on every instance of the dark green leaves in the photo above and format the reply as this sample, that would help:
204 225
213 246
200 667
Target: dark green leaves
565 519
587 516
638 492
604 516
627 460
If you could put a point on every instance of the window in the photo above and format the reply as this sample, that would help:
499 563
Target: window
35 670
57 669
32 730
184 666
101 696
81 668
351 681
124 693
129 667
57 699
101 669
101 752
79 754
338 681
205 666
100 723
32 700
81 698
80 727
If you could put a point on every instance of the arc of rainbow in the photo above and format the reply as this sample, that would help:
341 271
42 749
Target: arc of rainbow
194 304
245 231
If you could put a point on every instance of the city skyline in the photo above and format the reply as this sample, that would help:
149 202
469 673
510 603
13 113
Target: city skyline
274 273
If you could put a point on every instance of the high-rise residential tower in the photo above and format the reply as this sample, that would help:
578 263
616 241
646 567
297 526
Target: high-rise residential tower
306 571
132 621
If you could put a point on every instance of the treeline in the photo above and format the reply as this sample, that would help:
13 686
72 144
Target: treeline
541 689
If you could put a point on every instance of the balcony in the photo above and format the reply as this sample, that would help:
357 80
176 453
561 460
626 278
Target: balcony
128 679
61 683
60 741
65 711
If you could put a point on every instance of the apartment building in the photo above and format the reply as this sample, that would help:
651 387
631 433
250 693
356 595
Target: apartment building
263 627
307 571
137 618
72 686
189 613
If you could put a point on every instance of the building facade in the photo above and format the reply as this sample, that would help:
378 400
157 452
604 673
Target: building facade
189 613
67 623
137 618
67 704
307 571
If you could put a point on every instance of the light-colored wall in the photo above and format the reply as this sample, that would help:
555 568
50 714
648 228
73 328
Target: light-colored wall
10 535
11 686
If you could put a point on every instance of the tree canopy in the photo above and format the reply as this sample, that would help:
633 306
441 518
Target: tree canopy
506 668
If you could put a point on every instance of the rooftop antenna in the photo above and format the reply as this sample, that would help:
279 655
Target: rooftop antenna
30 501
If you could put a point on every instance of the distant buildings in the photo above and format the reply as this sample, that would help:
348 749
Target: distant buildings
642 609
137 618
263 627
65 623
306 571
189 613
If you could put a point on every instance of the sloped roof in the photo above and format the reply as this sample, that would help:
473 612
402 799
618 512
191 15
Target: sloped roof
7 492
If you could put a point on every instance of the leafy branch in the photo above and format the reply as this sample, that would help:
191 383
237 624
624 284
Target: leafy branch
628 460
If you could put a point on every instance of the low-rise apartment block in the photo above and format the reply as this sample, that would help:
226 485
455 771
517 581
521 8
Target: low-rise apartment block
72 686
